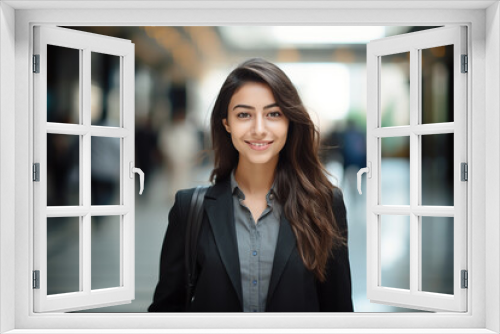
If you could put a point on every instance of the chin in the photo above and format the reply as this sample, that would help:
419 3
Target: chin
260 160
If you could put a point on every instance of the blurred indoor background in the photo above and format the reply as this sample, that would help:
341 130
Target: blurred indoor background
178 73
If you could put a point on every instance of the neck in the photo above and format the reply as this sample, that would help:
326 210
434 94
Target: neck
255 178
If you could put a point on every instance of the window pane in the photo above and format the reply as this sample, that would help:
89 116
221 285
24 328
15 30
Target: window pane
105 92
63 255
105 252
105 169
437 254
395 89
63 170
63 85
437 84
395 171
437 170
395 251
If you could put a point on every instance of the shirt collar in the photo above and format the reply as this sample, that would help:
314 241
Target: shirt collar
234 184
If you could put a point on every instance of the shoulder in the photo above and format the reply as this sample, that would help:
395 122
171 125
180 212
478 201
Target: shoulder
337 194
338 199
183 196
339 209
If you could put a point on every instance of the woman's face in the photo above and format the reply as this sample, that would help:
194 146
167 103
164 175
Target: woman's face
257 126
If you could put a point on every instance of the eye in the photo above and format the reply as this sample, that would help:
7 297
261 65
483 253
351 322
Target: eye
243 115
274 114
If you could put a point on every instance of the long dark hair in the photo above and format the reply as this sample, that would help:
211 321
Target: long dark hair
300 176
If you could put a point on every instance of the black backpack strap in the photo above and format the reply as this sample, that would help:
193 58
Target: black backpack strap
195 217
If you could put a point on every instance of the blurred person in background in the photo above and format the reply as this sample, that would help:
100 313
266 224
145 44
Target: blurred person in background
179 142
274 231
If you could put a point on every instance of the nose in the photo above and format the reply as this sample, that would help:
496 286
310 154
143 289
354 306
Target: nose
259 126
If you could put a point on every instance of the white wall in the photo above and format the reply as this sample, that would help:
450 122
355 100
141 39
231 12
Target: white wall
490 157
492 172
7 160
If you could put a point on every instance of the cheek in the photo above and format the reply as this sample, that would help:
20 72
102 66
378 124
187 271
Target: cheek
237 130
236 134
283 131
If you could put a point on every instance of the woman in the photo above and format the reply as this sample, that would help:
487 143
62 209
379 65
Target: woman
274 231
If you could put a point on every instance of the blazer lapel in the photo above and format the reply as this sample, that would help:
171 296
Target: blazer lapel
219 208
284 246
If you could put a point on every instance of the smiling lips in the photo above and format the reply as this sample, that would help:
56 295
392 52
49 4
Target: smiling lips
259 145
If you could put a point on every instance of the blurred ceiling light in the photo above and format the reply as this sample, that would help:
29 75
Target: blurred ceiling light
327 35
298 36
323 87
206 40
288 56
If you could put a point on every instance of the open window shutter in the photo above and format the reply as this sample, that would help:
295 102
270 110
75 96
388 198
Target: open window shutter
402 218
79 223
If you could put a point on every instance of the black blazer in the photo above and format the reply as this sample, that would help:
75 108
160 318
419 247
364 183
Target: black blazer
292 287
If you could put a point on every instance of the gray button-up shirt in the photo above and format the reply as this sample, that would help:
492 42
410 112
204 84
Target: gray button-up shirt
256 246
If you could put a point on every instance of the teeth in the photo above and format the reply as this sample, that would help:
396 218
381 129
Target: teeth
259 144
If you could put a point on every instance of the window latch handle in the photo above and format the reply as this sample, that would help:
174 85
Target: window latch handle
368 171
141 175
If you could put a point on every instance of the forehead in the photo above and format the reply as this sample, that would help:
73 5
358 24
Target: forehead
253 92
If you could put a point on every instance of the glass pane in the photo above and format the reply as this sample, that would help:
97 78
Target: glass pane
437 169
63 255
105 252
437 84
395 89
105 91
63 85
395 171
105 171
437 254
395 251
63 170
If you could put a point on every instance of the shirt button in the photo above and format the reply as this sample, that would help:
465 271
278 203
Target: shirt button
254 282
254 253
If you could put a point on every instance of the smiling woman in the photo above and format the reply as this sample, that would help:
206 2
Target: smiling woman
264 245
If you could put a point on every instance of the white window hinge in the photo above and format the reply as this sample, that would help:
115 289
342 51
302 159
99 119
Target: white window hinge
465 279
36 63
36 172
464 171
465 64
36 279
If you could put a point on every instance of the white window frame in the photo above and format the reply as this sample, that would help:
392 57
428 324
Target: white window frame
413 44
16 21
85 297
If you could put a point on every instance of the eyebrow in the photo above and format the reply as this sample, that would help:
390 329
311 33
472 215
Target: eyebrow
250 107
